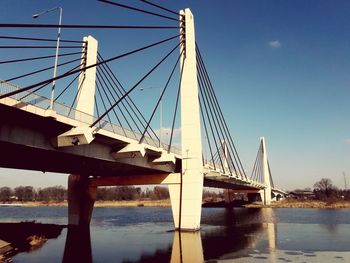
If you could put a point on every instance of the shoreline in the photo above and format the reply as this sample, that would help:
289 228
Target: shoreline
131 203
316 204
287 203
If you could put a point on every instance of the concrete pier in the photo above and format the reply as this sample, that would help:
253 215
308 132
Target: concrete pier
81 199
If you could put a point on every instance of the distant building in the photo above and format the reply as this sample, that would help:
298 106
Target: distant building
301 194
13 198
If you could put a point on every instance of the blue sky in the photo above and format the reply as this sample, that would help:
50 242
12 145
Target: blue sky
280 70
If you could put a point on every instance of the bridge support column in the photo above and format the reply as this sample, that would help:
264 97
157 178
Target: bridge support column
265 193
81 199
186 198
229 196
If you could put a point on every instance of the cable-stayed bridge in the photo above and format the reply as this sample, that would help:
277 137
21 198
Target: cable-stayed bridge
84 121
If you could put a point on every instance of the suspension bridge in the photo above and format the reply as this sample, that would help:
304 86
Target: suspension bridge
84 121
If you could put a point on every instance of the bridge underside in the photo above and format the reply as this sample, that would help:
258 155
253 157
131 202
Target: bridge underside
26 142
30 158
229 183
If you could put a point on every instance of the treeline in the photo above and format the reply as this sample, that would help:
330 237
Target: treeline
29 193
118 193
325 190
121 193
59 193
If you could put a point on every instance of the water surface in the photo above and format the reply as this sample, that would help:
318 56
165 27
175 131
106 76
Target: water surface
145 234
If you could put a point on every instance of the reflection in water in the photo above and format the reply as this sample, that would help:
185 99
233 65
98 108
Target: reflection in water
242 229
187 247
224 234
78 245
332 228
271 235
235 235
26 236
229 233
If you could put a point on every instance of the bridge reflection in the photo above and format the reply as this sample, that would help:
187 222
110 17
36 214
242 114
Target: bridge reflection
78 245
187 247
225 234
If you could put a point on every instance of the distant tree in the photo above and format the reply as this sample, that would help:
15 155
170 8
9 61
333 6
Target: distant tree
346 194
325 189
54 193
126 193
148 194
25 193
118 193
29 193
5 194
19 192
102 194
209 195
160 193
58 193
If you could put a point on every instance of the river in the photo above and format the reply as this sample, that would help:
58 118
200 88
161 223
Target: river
143 234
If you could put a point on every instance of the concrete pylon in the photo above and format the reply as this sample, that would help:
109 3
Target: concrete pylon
81 199
225 156
85 99
87 84
265 193
186 198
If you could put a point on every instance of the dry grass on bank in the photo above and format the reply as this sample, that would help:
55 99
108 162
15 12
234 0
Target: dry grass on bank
147 203
294 203
32 204
133 203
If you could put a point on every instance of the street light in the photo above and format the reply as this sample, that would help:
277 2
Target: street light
57 47
345 180
160 113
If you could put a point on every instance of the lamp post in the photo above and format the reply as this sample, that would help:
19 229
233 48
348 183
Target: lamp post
160 113
57 47
345 181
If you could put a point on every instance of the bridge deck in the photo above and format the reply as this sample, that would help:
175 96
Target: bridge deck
28 130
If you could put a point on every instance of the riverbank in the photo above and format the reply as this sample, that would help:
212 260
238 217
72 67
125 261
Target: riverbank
16 237
294 203
131 203
287 203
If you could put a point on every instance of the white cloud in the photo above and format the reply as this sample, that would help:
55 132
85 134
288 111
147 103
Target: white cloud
275 44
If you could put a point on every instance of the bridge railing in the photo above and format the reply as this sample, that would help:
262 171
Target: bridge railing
217 167
62 109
